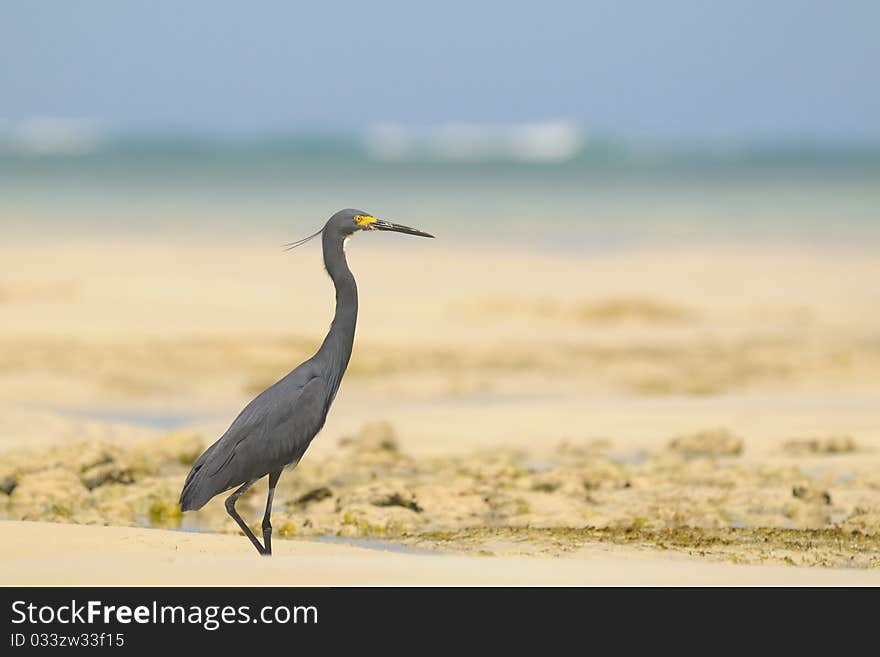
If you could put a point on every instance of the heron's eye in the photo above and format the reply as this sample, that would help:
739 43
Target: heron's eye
364 220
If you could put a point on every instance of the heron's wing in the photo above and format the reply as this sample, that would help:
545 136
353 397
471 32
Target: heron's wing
283 436
273 430
258 415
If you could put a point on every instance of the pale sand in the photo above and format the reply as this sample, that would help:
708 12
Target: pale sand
418 292
33 553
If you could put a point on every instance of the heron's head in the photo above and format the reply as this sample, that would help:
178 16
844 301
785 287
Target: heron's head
350 221
346 223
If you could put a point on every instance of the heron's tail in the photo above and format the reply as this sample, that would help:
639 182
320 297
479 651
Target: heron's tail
198 488
189 497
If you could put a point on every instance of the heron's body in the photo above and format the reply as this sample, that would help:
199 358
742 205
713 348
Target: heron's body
275 429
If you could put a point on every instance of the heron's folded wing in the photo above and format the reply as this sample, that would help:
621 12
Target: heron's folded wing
260 416
282 437
273 431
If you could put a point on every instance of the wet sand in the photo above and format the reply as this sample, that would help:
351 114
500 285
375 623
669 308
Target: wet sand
78 555
712 405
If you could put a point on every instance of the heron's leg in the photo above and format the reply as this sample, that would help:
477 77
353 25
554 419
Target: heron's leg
230 509
267 524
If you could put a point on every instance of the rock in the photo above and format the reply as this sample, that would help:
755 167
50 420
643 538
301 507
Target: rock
384 494
56 493
369 520
405 500
90 456
173 449
7 485
109 473
709 442
165 512
825 445
373 436
863 520
314 495
812 495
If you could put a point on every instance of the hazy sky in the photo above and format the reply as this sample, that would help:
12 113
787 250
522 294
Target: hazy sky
658 69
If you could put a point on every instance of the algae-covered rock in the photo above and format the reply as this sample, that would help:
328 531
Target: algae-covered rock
403 499
173 449
8 484
811 495
371 520
378 436
53 494
165 512
864 520
91 455
709 442
314 495
825 445
381 494
107 473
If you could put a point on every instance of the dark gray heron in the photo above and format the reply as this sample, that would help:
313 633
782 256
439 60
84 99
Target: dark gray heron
275 428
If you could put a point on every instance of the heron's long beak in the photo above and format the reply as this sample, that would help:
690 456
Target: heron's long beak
379 224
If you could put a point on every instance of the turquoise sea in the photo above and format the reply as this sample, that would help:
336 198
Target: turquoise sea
605 193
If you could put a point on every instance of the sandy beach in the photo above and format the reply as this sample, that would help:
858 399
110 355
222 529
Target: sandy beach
48 554
644 415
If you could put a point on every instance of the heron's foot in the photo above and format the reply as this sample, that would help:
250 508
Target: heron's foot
267 540
263 551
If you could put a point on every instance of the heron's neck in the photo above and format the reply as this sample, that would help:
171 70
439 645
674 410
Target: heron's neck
335 351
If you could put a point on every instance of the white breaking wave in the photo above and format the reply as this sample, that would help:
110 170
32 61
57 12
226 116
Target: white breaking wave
550 141
50 136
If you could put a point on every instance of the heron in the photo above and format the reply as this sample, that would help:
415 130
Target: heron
275 429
